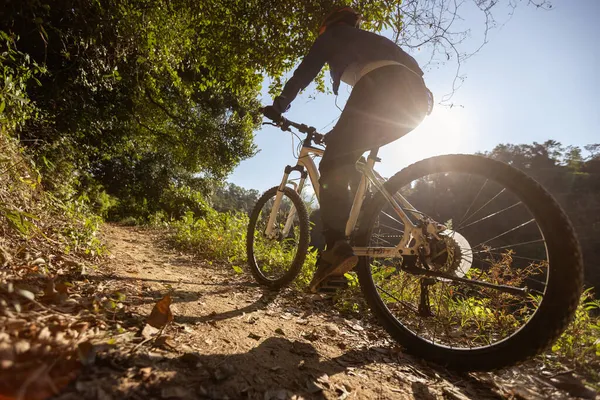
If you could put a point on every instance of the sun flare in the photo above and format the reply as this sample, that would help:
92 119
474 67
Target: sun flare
442 132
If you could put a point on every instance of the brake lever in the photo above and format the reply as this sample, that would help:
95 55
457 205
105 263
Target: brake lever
270 123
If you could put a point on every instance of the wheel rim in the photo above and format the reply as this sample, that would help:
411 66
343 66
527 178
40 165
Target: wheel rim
275 254
498 241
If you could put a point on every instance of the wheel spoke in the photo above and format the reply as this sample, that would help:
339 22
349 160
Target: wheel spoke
489 216
504 233
513 245
473 202
483 206
482 279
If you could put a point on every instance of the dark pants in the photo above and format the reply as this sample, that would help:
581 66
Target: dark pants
385 105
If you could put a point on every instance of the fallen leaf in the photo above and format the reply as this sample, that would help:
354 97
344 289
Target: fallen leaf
149 331
161 314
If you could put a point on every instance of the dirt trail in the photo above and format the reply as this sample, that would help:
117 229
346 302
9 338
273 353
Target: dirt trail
231 339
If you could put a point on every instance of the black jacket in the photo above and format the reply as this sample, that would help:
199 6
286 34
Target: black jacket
340 46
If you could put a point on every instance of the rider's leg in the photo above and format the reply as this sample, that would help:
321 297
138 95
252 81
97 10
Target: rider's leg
337 171
385 105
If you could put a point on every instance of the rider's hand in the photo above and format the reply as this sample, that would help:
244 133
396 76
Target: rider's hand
272 113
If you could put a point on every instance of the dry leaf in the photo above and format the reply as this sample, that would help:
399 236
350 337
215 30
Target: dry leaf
161 314
149 331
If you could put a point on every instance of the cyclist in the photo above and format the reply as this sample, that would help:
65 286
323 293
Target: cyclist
388 100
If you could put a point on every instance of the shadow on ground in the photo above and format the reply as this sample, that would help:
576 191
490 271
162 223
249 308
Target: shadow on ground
277 366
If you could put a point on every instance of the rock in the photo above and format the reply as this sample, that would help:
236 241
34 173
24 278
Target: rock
279 331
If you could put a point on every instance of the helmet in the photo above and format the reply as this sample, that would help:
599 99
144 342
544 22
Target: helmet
339 15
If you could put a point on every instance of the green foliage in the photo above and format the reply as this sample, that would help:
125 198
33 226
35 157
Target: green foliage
222 237
17 70
219 236
141 95
231 197
29 213
580 343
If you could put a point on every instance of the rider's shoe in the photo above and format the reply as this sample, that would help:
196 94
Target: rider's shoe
334 262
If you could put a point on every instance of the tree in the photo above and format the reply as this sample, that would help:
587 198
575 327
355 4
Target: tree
135 86
231 197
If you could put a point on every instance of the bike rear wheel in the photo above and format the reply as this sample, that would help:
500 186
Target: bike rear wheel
504 233
276 259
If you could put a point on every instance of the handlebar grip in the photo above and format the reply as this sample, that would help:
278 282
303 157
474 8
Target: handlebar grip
272 114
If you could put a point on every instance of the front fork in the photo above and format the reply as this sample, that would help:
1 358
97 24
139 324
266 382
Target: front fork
270 231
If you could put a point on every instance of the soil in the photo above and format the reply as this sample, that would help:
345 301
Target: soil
231 339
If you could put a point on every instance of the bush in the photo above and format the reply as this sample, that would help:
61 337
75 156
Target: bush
219 236
16 69
579 345
222 237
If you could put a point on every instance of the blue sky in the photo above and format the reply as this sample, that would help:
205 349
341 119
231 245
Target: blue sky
538 78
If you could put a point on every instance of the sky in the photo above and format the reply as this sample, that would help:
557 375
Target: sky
538 78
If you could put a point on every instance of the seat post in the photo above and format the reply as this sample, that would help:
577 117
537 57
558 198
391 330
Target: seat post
373 154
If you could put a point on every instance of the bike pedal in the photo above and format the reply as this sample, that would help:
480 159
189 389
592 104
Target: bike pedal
332 284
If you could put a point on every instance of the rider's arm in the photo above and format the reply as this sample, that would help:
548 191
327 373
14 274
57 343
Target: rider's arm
308 70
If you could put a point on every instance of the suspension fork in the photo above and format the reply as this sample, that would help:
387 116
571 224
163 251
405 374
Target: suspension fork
277 203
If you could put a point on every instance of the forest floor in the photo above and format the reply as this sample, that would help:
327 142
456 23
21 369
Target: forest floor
229 339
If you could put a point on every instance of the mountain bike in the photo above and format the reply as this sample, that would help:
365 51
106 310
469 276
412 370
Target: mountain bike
464 260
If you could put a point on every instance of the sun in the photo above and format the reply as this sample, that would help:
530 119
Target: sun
442 132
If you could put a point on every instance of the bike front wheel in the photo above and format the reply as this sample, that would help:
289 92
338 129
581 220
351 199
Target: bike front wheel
498 285
276 255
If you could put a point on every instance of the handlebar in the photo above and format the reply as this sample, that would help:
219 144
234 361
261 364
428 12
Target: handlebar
284 124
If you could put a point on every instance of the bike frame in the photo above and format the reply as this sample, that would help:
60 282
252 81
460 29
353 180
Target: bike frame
413 236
